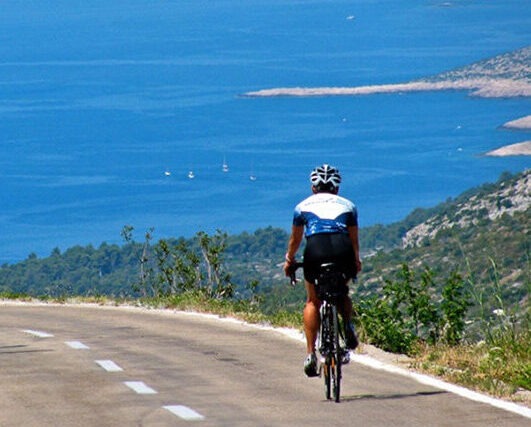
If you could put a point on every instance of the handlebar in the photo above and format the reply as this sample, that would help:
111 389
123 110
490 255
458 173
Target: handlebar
292 270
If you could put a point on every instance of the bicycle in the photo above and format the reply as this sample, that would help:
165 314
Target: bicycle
331 341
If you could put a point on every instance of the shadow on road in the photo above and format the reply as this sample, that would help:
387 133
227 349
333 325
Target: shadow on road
12 346
384 396
14 349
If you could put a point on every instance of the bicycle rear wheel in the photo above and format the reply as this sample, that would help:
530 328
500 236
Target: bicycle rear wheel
327 378
335 374
324 348
335 365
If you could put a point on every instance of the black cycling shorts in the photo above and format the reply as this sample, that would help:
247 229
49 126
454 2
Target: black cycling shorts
324 248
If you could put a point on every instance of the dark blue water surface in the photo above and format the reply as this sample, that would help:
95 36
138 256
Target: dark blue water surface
98 99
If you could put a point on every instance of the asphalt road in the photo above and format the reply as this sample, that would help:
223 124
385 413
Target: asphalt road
93 366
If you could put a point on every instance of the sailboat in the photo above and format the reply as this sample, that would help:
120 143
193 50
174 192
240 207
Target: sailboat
252 176
191 174
224 166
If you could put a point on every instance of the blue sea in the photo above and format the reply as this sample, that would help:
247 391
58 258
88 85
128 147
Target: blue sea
105 107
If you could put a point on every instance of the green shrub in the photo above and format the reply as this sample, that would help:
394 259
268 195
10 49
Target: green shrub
413 309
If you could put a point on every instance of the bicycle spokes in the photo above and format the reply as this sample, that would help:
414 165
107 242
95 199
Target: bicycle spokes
331 351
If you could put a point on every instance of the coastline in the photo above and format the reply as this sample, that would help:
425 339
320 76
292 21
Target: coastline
523 123
482 87
518 149
503 76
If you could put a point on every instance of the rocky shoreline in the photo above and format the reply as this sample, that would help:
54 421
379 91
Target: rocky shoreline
519 149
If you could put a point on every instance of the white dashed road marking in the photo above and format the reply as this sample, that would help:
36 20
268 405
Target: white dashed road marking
184 412
140 387
39 334
76 345
109 365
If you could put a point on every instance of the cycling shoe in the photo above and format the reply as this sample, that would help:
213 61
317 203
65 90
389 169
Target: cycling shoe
345 357
310 366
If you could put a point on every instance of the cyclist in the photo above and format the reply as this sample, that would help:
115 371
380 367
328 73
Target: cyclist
330 224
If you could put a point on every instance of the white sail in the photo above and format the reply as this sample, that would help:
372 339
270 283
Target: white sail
225 166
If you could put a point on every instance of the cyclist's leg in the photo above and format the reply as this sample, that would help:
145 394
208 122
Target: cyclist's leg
350 334
311 317
311 320
312 260
347 309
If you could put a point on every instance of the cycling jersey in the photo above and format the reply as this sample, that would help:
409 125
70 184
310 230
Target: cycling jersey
325 213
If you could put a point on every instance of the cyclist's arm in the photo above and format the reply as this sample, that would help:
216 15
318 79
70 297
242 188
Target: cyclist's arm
353 233
295 239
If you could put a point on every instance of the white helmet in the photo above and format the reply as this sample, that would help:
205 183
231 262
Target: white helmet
325 177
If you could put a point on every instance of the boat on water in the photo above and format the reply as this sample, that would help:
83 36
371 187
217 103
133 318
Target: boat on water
167 173
252 176
224 166
191 175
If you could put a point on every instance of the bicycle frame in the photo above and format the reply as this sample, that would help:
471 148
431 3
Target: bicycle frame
329 289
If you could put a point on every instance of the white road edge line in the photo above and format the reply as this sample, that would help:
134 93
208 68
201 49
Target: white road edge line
109 365
421 378
39 334
184 412
77 345
443 385
139 387
369 361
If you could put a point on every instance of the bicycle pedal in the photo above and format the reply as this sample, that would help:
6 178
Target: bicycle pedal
345 358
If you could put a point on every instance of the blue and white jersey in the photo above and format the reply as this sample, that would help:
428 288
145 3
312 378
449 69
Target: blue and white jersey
325 213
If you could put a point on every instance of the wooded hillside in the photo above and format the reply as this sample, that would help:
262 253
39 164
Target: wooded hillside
483 233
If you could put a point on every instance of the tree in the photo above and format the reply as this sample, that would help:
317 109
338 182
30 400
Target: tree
218 284
178 267
454 306
145 282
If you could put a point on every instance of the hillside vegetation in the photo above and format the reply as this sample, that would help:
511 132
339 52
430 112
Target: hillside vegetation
482 232
447 285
